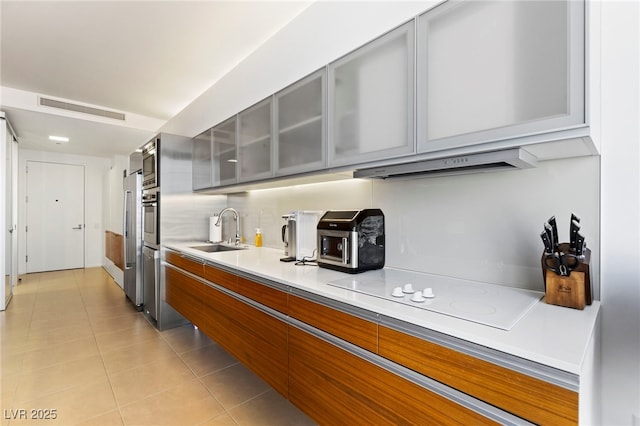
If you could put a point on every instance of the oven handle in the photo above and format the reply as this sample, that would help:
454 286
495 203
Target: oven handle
345 250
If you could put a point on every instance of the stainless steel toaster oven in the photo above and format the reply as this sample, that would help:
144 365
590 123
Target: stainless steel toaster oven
352 240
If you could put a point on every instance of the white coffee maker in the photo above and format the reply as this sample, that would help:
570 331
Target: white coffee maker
299 235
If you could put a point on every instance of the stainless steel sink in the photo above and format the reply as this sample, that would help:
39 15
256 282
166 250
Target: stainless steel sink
214 248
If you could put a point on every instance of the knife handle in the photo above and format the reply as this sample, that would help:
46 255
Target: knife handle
545 240
580 244
549 231
554 230
575 227
574 217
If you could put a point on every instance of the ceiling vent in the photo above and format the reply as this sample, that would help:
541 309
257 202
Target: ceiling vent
81 108
458 165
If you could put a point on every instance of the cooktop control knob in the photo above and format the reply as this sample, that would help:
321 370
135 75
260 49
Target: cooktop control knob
397 292
408 288
428 292
417 297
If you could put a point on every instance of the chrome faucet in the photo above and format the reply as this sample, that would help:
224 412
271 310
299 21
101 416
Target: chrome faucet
236 217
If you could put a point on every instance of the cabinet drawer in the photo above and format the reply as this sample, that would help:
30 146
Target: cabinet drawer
220 277
336 387
261 342
185 263
186 295
256 339
527 397
275 299
355 330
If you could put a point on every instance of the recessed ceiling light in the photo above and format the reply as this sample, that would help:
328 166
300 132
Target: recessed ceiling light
59 138
232 160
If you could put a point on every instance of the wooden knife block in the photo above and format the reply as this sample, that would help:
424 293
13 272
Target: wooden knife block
573 291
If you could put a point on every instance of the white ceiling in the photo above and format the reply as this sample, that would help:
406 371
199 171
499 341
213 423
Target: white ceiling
147 59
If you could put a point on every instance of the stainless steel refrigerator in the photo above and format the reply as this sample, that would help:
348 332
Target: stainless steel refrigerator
133 280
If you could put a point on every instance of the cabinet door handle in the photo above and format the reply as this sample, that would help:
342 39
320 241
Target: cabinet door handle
77 227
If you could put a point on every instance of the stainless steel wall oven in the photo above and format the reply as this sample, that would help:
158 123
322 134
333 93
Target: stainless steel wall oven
151 217
150 164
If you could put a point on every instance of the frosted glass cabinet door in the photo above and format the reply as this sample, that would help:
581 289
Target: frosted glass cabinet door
300 123
254 142
371 100
494 70
225 156
201 161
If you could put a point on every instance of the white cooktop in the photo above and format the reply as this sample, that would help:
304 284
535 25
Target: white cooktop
489 304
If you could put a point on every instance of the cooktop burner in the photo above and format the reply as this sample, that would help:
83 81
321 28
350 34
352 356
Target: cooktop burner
489 304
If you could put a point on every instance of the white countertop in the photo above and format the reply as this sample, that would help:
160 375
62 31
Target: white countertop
550 335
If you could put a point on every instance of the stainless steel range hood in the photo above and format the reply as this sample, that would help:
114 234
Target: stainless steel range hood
456 165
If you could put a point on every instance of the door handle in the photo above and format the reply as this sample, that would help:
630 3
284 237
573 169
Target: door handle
345 251
77 227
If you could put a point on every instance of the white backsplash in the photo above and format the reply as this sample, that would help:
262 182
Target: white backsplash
264 208
487 226
483 227
185 217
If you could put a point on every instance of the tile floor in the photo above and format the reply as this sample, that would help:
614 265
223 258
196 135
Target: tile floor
74 346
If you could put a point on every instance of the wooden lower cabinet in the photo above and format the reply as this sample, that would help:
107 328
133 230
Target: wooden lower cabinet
255 338
335 387
220 277
532 399
114 248
191 265
271 297
354 330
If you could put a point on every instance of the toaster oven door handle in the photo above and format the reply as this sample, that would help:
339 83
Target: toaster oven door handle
345 251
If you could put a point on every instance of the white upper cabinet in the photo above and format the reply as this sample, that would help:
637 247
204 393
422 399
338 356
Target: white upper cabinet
465 76
254 142
214 159
224 153
371 100
496 70
201 161
300 139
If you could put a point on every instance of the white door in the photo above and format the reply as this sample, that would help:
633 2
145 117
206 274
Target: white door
55 216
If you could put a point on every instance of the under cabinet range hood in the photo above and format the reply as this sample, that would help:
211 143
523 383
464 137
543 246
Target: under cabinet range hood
455 165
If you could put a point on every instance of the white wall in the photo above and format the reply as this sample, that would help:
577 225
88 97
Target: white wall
487 226
95 168
320 34
458 215
620 211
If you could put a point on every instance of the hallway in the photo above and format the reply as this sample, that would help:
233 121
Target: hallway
76 351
